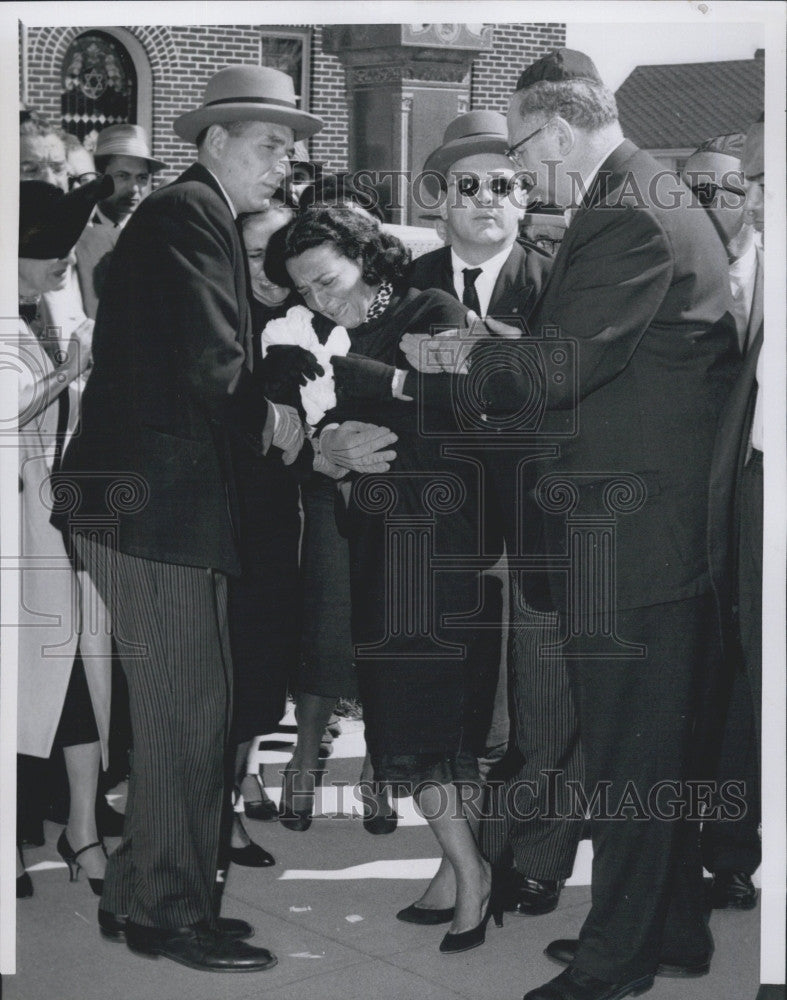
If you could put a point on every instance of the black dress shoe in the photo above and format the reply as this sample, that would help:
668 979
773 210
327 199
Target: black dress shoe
535 897
575 985
113 927
24 886
421 915
732 890
251 856
198 947
564 951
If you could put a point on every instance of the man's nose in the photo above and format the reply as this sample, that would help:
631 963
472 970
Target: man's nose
485 196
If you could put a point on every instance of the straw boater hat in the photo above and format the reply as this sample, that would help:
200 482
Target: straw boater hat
126 140
50 222
248 93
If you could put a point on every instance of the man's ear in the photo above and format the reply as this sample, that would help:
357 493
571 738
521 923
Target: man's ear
215 139
565 135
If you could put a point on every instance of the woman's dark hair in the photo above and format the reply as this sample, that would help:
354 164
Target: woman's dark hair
351 231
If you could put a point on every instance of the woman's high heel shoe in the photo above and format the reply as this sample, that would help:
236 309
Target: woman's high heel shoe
465 940
294 819
70 856
262 808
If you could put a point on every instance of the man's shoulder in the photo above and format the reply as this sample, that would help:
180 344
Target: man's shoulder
428 266
194 190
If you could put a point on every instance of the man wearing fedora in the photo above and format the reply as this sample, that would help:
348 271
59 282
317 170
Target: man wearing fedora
122 153
495 274
640 287
154 497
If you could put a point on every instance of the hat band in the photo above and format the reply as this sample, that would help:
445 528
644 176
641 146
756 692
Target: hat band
252 100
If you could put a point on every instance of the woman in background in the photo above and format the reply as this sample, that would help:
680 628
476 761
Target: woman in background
64 642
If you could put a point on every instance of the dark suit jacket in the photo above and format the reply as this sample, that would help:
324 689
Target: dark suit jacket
517 287
508 516
730 452
641 292
171 381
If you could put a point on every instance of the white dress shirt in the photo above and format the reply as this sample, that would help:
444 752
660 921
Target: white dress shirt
486 280
743 273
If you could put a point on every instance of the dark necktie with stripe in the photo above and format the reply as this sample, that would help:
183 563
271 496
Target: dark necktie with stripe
470 295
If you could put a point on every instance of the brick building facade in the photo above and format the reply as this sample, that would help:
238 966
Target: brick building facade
172 65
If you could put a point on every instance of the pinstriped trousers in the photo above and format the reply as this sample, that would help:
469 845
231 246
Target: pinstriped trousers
170 626
527 813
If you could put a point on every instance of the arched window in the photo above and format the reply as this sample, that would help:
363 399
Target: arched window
99 86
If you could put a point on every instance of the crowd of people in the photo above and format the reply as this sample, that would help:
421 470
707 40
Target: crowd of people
263 450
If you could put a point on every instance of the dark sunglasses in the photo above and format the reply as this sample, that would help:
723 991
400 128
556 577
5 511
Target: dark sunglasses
468 185
706 193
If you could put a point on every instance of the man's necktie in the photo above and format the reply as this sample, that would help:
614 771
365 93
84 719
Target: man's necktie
470 295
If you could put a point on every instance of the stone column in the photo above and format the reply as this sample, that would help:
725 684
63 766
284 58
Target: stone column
405 83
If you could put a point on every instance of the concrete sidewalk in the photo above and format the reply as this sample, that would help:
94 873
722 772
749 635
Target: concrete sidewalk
327 911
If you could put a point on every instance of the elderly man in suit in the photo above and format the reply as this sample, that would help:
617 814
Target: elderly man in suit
154 516
731 847
639 288
493 273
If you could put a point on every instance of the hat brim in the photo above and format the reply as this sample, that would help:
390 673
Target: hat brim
303 124
443 157
55 236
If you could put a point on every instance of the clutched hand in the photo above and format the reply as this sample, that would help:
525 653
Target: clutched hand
358 446
284 368
357 377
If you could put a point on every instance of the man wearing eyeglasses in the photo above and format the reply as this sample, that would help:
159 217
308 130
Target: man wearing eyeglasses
640 287
493 274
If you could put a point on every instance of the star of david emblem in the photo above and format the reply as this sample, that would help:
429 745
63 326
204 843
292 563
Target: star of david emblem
94 84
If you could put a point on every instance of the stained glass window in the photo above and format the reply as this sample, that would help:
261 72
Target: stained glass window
289 52
99 86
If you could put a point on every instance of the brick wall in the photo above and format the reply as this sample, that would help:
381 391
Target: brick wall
182 58
495 73
329 101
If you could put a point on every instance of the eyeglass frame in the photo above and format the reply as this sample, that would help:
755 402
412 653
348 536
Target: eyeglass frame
513 151
696 188
511 183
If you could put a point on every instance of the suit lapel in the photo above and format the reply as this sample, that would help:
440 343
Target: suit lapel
196 172
507 298
446 272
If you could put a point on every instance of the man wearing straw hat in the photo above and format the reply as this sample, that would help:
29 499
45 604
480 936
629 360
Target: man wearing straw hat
123 153
171 383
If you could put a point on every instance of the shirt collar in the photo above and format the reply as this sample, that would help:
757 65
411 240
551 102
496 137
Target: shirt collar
493 264
223 191
106 221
